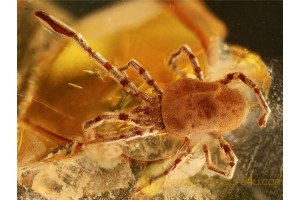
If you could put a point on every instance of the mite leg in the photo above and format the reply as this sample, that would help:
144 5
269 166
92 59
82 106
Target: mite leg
192 59
230 155
144 74
116 74
225 146
141 121
73 148
127 136
239 76
141 109
182 153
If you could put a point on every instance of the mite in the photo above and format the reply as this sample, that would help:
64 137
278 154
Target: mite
189 108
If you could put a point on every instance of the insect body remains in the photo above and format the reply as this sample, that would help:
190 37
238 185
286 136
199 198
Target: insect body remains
186 107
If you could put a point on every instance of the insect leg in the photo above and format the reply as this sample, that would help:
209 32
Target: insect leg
239 76
116 74
192 59
182 153
145 75
229 153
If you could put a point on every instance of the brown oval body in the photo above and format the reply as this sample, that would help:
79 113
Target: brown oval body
191 106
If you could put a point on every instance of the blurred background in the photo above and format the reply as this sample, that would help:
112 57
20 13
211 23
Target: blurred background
256 25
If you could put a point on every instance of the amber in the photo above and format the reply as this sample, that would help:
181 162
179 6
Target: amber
70 88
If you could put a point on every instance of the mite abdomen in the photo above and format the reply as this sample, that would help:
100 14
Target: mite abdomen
213 108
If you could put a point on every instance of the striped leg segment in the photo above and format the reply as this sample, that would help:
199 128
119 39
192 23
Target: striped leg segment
182 153
239 76
192 58
127 136
228 151
112 116
64 29
145 75
225 146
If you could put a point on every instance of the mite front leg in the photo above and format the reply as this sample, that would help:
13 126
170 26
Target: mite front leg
116 74
239 76
192 59
144 74
224 145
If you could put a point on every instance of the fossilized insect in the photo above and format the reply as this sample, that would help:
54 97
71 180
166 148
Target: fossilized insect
188 108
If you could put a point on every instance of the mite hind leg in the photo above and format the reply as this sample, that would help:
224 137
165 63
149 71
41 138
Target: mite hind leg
232 159
180 156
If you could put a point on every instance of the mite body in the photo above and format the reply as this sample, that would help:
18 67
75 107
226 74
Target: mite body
190 106
186 107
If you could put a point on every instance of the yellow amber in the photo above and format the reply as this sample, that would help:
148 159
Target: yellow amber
70 91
